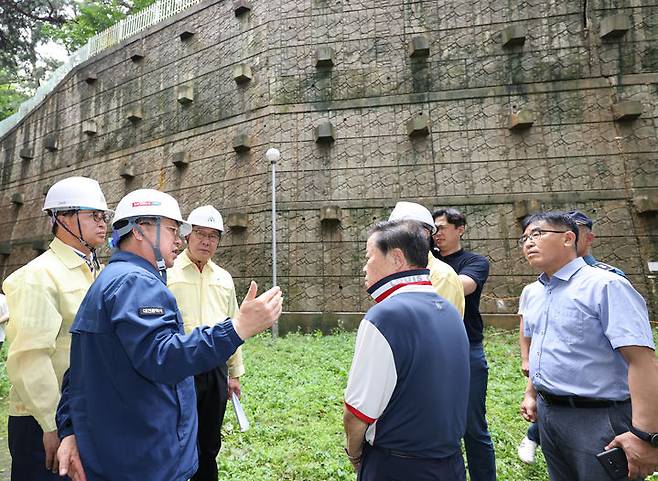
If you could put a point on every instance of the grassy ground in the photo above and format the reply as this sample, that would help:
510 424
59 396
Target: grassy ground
296 412
5 460
293 397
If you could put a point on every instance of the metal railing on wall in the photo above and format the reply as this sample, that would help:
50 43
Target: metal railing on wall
118 32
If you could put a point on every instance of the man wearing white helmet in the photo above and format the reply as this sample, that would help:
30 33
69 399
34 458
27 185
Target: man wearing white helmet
43 297
205 292
128 402
444 279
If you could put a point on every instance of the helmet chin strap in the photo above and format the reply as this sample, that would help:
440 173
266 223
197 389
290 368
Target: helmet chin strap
80 238
159 260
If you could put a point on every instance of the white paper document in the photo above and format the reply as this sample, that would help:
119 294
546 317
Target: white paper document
239 413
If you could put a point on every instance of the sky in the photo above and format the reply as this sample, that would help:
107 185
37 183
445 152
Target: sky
54 50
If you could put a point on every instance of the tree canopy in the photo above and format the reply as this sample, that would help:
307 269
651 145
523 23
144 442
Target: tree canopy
21 30
25 25
92 17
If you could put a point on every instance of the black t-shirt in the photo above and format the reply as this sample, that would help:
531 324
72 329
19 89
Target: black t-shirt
476 267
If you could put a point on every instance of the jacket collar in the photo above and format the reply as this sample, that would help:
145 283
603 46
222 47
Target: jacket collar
66 254
123 256
389 284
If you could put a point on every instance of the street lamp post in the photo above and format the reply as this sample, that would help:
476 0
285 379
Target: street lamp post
273 155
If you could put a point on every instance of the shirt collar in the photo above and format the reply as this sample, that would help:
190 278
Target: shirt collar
123 256
186 262
566 272
456 253
67 254
389 284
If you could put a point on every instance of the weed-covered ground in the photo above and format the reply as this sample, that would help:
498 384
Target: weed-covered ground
293 393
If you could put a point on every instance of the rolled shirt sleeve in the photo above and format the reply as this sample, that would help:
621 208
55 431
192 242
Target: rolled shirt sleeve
373 376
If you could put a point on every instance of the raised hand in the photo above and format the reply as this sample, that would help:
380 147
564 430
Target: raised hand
258 313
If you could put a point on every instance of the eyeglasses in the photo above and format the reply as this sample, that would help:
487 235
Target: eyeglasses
174 230
537 234
213 237
97 215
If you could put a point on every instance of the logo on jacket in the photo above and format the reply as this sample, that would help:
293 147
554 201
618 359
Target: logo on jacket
150 311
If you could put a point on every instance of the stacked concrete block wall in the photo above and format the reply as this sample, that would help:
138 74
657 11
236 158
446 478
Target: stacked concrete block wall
498 109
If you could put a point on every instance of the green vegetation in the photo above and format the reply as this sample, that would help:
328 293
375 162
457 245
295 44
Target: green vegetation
293 394
5 460
10 96
4 386
90 18
27 25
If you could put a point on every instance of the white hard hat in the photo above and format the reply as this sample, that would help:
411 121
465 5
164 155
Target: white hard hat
413 211
206 216
75 193
150 203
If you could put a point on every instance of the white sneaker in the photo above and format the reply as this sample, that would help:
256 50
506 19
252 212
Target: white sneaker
527 450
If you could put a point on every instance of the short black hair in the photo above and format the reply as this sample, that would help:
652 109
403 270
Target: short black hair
453 216
408 236
555 219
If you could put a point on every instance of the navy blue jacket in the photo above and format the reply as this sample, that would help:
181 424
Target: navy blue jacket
129 394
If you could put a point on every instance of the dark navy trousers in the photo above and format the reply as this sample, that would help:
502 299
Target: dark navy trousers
477 440
28 458
211 398
379 465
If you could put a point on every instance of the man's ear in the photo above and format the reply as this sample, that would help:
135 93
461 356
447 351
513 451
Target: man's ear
65 219
398 258
461 230
570 239
137 235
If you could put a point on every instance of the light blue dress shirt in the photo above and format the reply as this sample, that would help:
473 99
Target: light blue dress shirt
577 319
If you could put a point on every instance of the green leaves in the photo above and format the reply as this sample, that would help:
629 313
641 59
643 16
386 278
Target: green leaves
28 24
92 17
10 98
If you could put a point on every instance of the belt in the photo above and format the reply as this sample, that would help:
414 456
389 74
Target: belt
580 402
396 454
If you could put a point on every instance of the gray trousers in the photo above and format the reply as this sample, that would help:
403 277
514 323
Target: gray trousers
572 437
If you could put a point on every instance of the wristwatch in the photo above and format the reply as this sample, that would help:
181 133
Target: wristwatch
651 438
